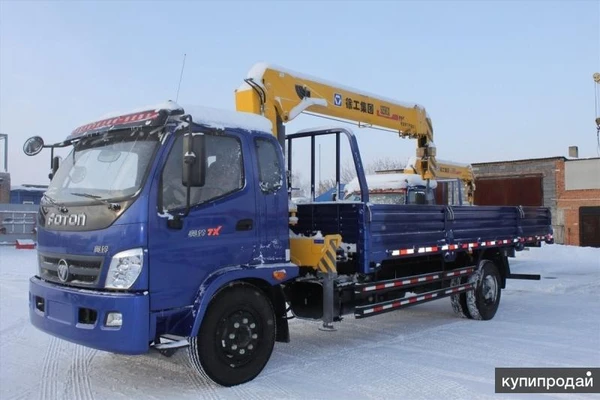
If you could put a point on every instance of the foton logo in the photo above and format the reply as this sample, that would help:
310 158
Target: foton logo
66 220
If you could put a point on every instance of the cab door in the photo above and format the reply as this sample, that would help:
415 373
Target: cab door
219 230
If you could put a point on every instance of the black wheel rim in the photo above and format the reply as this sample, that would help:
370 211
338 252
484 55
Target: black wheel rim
489 289
238 336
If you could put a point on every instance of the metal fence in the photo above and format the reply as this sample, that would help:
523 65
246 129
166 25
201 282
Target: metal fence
17 221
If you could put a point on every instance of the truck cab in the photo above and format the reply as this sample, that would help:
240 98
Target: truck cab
149 209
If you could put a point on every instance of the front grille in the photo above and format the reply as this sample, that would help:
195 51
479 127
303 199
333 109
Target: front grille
83 270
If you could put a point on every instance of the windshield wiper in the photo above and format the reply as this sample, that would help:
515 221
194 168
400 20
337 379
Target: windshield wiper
50 199
54 203
111 206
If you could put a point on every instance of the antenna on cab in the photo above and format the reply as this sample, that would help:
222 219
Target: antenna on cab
180 78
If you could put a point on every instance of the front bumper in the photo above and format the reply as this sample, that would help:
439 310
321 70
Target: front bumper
68 313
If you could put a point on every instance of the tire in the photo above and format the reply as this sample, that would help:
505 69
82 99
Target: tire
236 337
459 301
483 301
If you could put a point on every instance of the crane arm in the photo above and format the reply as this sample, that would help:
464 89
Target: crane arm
281 95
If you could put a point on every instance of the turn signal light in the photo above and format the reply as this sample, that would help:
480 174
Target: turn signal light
279 274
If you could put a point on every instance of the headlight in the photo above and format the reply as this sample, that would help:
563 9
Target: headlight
125 267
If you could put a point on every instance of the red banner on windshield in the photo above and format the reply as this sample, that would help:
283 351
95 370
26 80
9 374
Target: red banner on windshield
122 120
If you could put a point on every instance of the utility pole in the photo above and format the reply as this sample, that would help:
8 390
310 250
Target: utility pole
5 137
596 77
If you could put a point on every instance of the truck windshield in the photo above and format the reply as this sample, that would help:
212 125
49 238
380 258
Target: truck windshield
111 166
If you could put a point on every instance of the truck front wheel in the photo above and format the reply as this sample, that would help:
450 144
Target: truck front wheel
236 337
484 299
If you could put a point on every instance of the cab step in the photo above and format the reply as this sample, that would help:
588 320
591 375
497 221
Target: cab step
171 342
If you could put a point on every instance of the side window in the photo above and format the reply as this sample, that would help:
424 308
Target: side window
269 168
224 172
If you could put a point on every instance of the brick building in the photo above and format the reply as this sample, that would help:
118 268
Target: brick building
570 187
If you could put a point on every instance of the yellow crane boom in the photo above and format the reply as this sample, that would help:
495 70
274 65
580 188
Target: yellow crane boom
281 95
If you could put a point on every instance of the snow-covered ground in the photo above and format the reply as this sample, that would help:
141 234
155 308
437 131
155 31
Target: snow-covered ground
424 352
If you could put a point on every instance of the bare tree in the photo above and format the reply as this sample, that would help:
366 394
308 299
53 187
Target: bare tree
384 164
348 172
325 185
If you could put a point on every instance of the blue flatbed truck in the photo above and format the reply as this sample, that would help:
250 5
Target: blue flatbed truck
168 227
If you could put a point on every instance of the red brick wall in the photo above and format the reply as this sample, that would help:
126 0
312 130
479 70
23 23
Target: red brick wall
569 202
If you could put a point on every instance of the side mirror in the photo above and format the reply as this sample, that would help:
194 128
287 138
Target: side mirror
194 160
33 145
55 163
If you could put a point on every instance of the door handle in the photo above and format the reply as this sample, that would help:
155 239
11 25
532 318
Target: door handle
244 225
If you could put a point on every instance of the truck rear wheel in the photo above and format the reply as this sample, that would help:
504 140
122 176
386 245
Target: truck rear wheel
483 301
236 337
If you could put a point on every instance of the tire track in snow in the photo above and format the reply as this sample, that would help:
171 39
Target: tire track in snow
19 396
79 377
179 364
249 392
49 373
199 380
84 375
71 372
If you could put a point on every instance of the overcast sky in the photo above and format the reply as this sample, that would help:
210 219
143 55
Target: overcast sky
501 80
